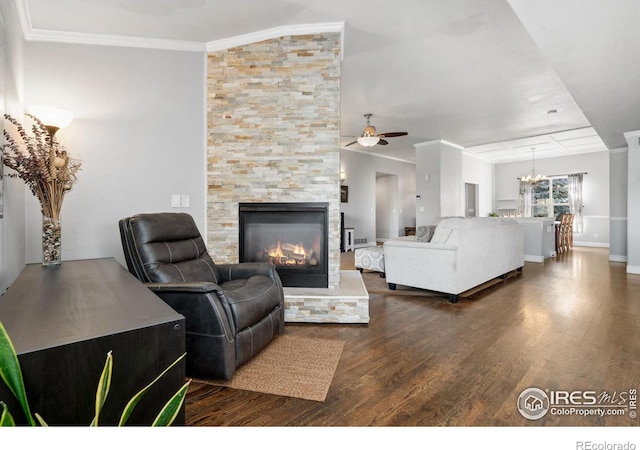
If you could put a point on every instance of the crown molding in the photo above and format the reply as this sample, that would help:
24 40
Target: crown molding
66 37
476 156
274 33
619 150
377 155
70 37
438 141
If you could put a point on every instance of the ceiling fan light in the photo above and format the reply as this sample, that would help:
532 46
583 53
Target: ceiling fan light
369 131
368 141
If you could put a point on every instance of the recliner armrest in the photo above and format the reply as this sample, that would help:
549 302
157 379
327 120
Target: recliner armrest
186 286
203 304
245 270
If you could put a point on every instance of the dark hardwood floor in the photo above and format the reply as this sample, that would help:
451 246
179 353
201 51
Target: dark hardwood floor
572 323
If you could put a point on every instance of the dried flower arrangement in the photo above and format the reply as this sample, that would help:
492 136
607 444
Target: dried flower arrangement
43 163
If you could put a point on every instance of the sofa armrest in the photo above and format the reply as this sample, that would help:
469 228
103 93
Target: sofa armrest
419 245
423 265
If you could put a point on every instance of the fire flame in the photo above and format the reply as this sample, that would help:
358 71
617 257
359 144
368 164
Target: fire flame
280 257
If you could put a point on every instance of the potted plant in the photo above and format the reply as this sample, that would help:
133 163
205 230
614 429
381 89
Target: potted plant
11 374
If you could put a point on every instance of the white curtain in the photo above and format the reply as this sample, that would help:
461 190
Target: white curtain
575 200
524 200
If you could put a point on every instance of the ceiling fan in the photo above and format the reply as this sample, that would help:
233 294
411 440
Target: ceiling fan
369 138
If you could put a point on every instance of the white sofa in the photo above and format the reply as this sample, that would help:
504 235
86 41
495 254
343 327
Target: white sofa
462 254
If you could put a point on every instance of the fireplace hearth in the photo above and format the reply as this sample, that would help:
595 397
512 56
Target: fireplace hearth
292 236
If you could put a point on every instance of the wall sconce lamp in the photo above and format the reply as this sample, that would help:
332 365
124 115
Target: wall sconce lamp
343 177
52 118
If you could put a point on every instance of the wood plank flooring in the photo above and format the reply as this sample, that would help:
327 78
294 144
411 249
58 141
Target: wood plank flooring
572 323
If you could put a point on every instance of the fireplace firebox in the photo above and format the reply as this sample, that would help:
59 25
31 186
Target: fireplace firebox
293 236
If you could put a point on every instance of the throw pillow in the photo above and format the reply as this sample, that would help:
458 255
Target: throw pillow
425 233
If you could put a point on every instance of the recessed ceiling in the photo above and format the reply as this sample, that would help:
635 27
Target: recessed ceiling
465 71
563 143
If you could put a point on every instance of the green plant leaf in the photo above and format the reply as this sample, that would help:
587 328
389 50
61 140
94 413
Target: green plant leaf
6 419
170 410
11 373
136 398
103 388
41 420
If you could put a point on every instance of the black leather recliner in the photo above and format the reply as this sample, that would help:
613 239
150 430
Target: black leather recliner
231 311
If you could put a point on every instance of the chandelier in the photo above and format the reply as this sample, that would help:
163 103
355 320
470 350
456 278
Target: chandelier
533 178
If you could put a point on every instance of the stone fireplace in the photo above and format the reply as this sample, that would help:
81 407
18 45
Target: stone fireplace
273 136
273 113
292 236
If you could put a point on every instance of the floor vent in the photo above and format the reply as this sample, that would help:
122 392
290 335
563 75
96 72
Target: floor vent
357 241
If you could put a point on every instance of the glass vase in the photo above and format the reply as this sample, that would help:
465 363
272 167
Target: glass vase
51 241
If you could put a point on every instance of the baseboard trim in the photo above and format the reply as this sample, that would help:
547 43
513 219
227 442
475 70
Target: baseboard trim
618 258
633 269
591 244
534 258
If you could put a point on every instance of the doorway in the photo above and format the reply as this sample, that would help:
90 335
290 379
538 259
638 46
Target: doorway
471 200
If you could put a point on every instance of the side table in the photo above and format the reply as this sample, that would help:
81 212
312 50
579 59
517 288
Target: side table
63 320
349 236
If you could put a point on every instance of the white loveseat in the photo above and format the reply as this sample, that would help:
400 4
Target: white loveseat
462 254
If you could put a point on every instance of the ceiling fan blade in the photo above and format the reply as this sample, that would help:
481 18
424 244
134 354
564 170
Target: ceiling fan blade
351 143
383 142
394 134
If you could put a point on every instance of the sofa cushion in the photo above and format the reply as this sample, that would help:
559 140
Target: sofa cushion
440 235
446 226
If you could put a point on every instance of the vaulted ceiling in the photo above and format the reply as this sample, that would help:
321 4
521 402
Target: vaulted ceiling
497 77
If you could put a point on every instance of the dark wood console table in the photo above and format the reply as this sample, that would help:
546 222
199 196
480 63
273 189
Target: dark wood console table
63 320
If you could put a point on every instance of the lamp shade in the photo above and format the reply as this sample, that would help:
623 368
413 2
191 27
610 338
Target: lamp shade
368 141
52 117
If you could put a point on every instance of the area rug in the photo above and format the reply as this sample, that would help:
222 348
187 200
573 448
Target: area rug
291 366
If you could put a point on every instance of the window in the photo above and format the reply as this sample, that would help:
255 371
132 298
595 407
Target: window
550 198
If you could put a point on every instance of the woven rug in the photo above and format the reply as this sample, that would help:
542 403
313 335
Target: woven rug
291 366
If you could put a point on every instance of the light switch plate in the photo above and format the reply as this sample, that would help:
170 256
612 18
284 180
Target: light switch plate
175 201
185 201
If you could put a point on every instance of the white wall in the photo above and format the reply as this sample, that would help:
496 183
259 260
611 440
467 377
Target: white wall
139 127
595 189
12 234
428 182
448 168
387 213
480 172
451 184
618 194
360 212
633 207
